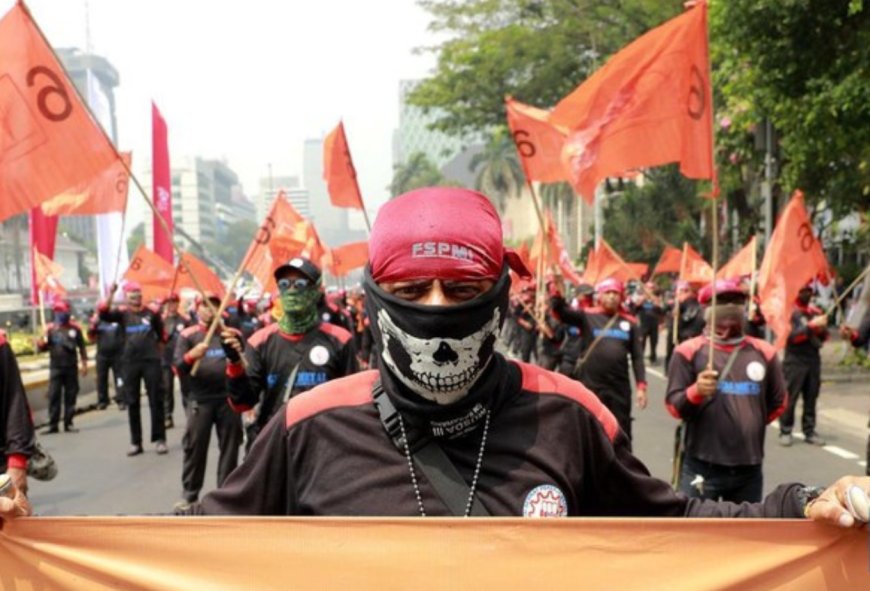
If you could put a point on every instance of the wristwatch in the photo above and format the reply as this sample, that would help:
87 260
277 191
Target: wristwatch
806 495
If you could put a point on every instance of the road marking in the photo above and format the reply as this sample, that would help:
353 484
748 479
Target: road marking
839 451
656 373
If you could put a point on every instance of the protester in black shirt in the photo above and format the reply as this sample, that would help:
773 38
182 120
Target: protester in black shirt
16 431
525 441
109 337
65 342
173 323
726 408
143 338
690 320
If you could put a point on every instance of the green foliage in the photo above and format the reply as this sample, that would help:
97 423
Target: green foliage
499 175
417 172
22 343
136 238
231 248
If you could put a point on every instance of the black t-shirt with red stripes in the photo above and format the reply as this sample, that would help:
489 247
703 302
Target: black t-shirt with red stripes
552 449
727 428
323 353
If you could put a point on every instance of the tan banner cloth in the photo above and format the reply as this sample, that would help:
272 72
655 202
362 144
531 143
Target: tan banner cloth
330 553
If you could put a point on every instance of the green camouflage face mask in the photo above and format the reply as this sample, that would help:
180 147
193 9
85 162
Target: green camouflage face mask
300 310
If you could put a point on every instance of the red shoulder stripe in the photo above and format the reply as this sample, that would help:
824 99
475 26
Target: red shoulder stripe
353 390
2 337
259 337
762 346
688 349
540 381
337 332
191 330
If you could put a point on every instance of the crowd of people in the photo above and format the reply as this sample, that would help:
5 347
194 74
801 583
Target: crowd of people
417 395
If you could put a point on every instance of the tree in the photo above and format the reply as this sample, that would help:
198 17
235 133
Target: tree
136 238
499 175
231 248
417 172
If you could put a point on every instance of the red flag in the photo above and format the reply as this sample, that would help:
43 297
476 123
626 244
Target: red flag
48 141
205 277
43 236
638 270
104 193
693 267
162 183
669 262
538 142
649 105
604 263
347 257
48 274
339 172
741 264
152 272
793 257
280 221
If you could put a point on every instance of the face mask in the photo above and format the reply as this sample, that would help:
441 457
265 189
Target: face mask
804 299
300 310
729 321
438 352
61 317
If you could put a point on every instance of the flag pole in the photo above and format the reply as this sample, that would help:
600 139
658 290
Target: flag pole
41 308
674 339
715 263
852 286
751 299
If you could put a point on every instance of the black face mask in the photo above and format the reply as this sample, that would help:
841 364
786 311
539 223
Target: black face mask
804 298
437 352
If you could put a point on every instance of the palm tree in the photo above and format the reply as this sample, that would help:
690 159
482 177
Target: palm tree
499 175
417 172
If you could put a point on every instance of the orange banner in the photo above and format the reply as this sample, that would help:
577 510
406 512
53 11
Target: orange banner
48 141
153 273
650 104
538 142
280 221
339 172
604 262
669 262
96 553
48 274
693 267
206 278
793 257
104 193
347 257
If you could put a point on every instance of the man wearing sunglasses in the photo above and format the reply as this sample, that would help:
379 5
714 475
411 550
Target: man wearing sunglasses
297 353
449 426
727 408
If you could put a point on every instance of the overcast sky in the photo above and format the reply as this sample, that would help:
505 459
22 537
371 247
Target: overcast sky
250 81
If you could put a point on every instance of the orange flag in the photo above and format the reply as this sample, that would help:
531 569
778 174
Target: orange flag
347 257
793 257
607 263
339 172
280 221
741 264
300 240
152 272
693 267
207 279
48 141
103 194
48 274
538 142
638 270
669 262
649 105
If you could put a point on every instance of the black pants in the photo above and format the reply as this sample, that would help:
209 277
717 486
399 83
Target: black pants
550 362
527 344
802 376
200 418
63 384
104 364
650 332
167 387
728 483
135 373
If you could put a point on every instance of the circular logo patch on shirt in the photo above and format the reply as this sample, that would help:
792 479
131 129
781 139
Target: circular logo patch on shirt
146 320
755 371
325 316
318 355
545 501
625 325
72 333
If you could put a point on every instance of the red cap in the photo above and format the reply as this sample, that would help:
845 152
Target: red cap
132 286
610 284
60 306
439 232
722 287
211 296
172 297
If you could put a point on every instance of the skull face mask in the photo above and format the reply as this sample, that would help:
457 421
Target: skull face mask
438 352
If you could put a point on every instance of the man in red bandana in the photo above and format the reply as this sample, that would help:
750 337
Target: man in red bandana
449 426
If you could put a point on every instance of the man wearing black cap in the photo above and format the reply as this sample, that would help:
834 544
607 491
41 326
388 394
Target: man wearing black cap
295 354
65 342
207 402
